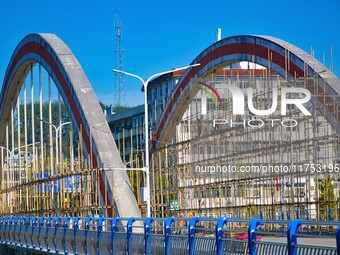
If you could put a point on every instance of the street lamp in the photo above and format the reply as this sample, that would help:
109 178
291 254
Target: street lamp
57 130
17 148
146 123
9 165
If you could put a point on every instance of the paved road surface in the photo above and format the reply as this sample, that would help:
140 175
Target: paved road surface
328 242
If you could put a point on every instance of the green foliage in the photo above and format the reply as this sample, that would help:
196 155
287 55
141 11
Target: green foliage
56 113
46 127
120 108
327 196
102 105
327 190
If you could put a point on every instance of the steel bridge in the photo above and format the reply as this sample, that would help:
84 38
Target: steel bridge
58 157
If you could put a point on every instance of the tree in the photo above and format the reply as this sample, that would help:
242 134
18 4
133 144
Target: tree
120 108
327 196
103 106
56 116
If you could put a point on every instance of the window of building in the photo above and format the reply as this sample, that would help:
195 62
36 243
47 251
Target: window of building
160 90
228 191
240 190
256 192
166 90
154 95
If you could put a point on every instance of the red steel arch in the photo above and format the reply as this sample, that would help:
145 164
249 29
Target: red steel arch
264 50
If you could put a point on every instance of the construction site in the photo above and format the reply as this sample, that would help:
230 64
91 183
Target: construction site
266 166
237 146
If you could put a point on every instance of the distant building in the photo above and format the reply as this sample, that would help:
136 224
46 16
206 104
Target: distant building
127 129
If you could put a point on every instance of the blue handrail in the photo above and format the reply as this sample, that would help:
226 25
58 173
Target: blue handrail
15 231
129 234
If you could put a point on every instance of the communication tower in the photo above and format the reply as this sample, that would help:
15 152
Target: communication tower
119 93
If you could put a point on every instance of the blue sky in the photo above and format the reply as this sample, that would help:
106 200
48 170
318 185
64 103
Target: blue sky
160 35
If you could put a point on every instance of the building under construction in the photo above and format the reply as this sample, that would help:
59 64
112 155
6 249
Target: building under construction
217 164
245 166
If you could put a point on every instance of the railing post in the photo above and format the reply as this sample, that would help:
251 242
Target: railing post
167 233
28 219
48 226
22 220
113 232
288 214
129 233
296 213
57 225
87 228
291 236
1 228
5 229
100 229
14 230
41 223
15 224
3 223
219 235
147 232
75 229
252 235
34 224
10 228
65 228
337 235
192 233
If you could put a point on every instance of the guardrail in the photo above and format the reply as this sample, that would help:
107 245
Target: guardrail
193 236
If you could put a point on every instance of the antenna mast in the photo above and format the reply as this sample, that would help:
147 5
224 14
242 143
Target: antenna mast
119 95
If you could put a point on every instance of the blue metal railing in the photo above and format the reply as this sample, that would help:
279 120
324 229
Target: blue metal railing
193 236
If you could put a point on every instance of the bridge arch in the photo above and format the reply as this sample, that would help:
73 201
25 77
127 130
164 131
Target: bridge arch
82 104
275 54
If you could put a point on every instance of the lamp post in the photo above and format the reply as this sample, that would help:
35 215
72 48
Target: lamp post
146 124
57 130
10 152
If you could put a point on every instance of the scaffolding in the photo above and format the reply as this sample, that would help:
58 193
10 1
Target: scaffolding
199 169
45 171
129 144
